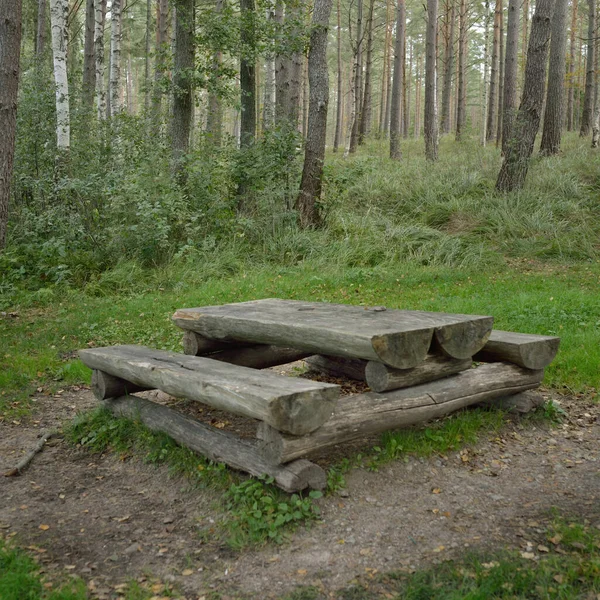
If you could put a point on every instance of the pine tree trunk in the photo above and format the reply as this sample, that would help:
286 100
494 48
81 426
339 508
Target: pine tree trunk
59 9
525 127
571 72
388 95
247 76
418 98
405 97
493 97
115 58
89 63
500 78
337 140
525 32
99 21
511 71
554 114
160 60
461 111
484 95
431 120
214 120
357 78
395 151
10 52
314 154
384 70
183 100
40 43
147 51
352 111
588 99
448 70
365 117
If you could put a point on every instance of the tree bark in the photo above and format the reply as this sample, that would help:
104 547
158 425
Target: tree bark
395 150
59 9
527 121
214 120
115 58
337 140
10 52
511 71
554 114
358 65
500 79
247 75
385 79
448 70
484 95
160 54
571 72
40 43
493 97
314 153
89 64
99 21
461 112
147 58
405 91
588 99
365 116
431 119
418 98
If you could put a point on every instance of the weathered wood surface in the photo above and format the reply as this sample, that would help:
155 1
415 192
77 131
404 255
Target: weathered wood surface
523 349
523 402
399 338
195 344
256 356
217 445
369 413
381 378
337 366
105 386
289 404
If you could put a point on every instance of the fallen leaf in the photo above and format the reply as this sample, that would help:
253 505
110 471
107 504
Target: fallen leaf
558 578
44 527
556 539
490 565
301 571
436 491
439 549
528 555
187 572
543 548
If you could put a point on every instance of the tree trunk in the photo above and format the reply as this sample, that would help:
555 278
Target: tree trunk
431 120
385 68
588 100
395 151
352 110
525 32
147 51
296 14
99 21
214 120
520 147
405 99
493 97
500 78
448 70
511 71
554 114
484 95
40 43
418 98
358 65
365 116
89 64
281 73
461 112
115 58
160 60
59 9
388 86
314 154
10 52
247 76
571 72
337 140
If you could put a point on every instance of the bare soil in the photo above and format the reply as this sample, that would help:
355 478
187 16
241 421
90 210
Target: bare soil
110 519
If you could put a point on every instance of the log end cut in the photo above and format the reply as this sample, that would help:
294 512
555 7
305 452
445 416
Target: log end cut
403 350
304 412
465 338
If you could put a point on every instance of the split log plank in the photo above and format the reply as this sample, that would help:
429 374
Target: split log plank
289 404
365 414
399 338
217 445
259 356
523 349
381 378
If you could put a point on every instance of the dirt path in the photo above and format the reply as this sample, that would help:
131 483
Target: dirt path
110 520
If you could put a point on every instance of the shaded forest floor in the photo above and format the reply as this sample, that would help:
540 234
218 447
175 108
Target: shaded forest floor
111 519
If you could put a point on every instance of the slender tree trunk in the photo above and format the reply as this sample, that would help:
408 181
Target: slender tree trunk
214 120
365 117
500 79
395 150
384 70
431 120
160 59
352 111
247 76
89 64
493 97
282 67
461 112
520 147
10 52
59 9
147 58
571 72
388 95
337 140
358 78
484 95
183 99
596 125
448 70
270 83
99 21
305 98
554 114
511 70
115 58
525 33
405 97
588 99
296 14
418 101
314 154
40 44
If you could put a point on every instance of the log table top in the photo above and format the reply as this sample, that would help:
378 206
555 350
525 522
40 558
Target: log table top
398 338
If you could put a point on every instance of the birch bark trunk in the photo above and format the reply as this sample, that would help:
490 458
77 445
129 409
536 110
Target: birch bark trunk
571 72
114 84
59 9
337 140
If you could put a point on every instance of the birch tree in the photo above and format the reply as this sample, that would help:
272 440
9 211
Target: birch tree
99 20
337 140
59 9
89 66
10 52
115 58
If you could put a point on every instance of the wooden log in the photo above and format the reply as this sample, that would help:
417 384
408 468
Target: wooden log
399 338
217 445
523 349
365 414
108 386
381 378
195 344
337 366
256 356
290 404
523 402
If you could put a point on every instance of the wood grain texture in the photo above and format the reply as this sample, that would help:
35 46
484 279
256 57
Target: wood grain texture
398 338
108 386
369 413
523 349
337 366
290 404
218 445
